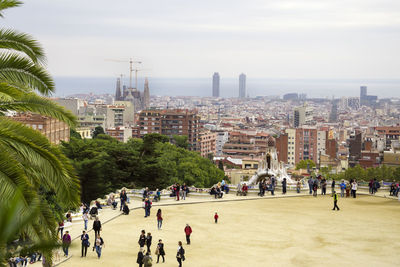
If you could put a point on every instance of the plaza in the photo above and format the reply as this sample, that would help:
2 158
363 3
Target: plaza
271 231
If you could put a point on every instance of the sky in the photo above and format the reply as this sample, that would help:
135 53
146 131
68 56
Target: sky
288 39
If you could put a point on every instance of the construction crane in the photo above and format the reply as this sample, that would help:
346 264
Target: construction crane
131 62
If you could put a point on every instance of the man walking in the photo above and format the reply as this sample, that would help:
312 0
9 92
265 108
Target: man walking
342 188
66 242
335 199
188 232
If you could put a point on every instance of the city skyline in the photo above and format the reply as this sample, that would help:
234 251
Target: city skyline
188 39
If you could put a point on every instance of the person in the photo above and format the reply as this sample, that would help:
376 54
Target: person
157 196
354 189
149 238
335 199
315 187
99 243
85 243
284 183
184 191
298 186
272 185
177 188
159 219
342 188
333 186
85 218
147 207
310 184
261 188
60 228
145 193
370 186
160 251
216 217
348 190
180 255
66 242
98 205
219 192
142 239
123 197
375 186
140 257
188 232
147 260
244 189
113 202
69 217
125 209
93 212
323 186
96 226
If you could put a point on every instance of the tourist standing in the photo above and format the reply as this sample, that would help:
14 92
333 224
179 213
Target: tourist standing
310 185
180 255
375 186
273 183
60 228
335 199
147 207
323 186
184 191
85 243
140 257
159 219
177 188
370 186
160 251
298 187
145 193
96 227
354 189
85 218
66 242
348 189
142 239
261 188
99 243
149 238
123 197
188 232
284 183
333 185
342 188
216 217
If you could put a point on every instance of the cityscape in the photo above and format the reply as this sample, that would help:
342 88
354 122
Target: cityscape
213 133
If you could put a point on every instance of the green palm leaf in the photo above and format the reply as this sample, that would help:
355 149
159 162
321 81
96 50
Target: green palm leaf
21 42
16 69
4 4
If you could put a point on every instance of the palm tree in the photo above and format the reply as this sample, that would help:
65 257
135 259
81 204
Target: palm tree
29 164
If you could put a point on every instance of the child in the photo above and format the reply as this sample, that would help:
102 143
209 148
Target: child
216 217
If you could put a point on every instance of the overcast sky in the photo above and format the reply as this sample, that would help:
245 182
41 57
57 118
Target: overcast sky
187 38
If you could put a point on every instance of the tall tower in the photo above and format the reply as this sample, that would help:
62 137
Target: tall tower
363 92
215 88
146 94
118 90
242 85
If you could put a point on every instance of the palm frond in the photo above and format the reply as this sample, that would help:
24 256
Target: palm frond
5 4
21 42
40 105
15 69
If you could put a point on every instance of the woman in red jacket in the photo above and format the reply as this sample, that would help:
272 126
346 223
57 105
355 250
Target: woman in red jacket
188 232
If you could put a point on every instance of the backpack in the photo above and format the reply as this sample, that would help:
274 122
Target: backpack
148 261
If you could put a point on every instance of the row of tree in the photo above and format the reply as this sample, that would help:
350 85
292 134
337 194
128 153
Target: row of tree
103 164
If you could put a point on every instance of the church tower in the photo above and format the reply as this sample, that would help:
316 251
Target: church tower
118 95
146 94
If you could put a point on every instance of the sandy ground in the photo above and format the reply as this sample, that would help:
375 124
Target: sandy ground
301 231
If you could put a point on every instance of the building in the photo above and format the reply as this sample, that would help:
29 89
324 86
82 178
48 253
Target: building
215 85
365 99
243 144
363 92
333 113
84 132
146 92
222 138
281 143
290 96
389 134
74 105
171 122
321 144
306 144
355 146
140 100
122 113
122 134
207 143
353 103
242 85
55 130
291 158
302 116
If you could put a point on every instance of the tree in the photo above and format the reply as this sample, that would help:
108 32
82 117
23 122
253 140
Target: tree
305 164
181 141
29 164
98 130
